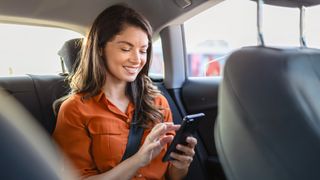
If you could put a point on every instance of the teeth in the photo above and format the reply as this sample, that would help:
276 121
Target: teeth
131 70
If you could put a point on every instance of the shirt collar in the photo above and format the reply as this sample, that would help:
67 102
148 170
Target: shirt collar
101 94
98 97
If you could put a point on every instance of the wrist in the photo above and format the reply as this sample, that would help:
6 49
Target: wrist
136 159
175 173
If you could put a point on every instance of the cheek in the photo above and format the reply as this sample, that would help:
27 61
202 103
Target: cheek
143 62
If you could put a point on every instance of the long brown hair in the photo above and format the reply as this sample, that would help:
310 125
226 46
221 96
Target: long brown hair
90 76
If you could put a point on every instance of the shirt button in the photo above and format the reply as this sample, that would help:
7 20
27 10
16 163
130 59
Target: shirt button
139 175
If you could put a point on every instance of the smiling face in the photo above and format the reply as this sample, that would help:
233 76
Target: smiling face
126 54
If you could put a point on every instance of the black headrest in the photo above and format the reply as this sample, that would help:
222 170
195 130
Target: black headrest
268 125
291 3
26 151
70 52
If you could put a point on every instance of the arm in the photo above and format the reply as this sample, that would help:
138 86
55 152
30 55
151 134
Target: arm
152 146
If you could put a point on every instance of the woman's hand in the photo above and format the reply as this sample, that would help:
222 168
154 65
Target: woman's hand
154 142
183 161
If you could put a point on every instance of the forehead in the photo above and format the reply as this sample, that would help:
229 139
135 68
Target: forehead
133 35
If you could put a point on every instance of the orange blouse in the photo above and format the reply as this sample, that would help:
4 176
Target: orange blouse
93 133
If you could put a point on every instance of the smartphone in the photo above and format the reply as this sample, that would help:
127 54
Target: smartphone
188 127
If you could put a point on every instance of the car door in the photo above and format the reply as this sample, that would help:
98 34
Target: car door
194 55
208 39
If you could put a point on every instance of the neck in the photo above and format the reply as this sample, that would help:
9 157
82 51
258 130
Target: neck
115 92
114 89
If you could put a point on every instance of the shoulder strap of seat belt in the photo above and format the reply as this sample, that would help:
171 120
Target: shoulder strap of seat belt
134 138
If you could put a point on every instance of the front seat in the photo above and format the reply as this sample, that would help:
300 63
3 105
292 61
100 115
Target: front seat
26 150
268 126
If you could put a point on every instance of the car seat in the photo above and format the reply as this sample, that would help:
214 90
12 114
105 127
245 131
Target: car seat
268 125
26 150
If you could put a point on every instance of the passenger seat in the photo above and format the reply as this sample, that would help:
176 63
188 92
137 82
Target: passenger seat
26 150
269 113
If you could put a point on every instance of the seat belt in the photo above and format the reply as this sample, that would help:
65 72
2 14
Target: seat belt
134 138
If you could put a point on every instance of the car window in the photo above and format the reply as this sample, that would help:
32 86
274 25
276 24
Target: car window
312 26
31 49
213 34
157 66
281 26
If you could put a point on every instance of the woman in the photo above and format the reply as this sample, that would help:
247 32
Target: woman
109 84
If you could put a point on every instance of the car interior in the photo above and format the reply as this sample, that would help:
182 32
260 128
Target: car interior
261 114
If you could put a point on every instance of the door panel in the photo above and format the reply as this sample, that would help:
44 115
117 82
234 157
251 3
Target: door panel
201 95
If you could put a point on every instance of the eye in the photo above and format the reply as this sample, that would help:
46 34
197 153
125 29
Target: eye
125 49
143 51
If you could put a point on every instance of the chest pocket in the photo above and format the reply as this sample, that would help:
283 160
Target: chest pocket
108 143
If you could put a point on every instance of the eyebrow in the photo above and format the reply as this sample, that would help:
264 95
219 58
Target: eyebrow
128 43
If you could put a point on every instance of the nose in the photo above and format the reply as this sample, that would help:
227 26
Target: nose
135 57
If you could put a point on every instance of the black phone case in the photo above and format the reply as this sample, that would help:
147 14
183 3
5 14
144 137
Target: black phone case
188 127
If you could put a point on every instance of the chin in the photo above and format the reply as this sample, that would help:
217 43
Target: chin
131 79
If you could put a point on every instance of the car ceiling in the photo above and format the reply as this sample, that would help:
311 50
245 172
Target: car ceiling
77 15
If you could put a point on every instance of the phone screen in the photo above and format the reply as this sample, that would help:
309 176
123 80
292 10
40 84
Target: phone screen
188 127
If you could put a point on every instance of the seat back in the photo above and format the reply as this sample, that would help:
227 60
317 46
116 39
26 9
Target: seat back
268 125
37 94
26 151
70 53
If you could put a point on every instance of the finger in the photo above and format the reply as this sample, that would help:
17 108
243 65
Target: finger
192 142
156 132
186 150
161 129
181 161
158 126
153 145
165 140
159 144
180 157
171 126
178 164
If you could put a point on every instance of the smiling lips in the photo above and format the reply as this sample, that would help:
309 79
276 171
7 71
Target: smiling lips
131 70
